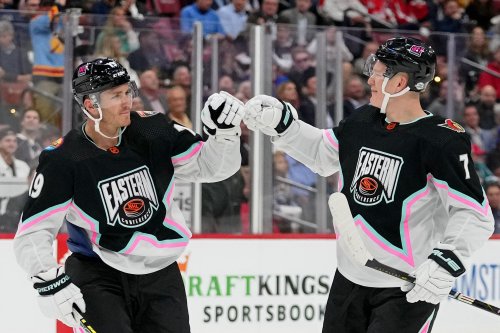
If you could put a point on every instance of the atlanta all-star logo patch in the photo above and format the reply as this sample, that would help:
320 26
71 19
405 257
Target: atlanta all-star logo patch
145 114
55 144
452 125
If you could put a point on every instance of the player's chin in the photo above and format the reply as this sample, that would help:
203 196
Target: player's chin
125 119
374 101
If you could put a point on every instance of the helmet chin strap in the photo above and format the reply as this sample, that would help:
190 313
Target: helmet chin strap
385 101
97 121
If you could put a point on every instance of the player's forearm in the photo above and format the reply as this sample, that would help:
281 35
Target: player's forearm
468 230
34 252
217 160
310 146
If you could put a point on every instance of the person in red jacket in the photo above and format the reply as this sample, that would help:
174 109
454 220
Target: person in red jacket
486 78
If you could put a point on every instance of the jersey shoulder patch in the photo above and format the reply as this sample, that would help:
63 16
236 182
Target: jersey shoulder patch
55 144
452 125
145 114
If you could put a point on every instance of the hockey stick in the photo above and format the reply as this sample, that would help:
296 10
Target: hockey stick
83 322
344 225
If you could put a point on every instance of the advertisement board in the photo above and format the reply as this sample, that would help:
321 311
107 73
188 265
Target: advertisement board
261 285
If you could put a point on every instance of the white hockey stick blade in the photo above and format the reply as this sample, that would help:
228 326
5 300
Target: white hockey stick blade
346 229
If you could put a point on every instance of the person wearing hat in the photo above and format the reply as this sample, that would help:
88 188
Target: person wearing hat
13 178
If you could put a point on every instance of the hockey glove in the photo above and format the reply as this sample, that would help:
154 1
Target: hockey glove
435 277
222 115
268 114
58 295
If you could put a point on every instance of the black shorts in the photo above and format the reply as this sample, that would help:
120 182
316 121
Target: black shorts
356 309
128 303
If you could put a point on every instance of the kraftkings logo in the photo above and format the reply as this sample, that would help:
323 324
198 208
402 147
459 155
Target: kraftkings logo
376 177
130 198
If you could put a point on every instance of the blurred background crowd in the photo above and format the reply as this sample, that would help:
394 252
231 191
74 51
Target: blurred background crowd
153 40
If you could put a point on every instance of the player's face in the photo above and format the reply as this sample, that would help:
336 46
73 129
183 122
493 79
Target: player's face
116 104
376 80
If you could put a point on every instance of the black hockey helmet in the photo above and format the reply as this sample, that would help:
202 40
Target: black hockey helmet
409 55
98 75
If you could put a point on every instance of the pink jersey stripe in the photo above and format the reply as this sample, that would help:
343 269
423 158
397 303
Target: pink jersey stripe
483 210
190 153
183 229
26 225
332 140
153 242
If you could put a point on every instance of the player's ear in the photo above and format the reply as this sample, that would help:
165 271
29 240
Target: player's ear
89 106
402 81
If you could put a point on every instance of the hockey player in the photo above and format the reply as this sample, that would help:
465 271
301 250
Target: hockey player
410 182
112 181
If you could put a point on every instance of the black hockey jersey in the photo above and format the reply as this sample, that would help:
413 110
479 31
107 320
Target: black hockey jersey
409 186
118 203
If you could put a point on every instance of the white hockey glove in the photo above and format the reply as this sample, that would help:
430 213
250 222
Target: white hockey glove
222 115
268 114
435 277
58 295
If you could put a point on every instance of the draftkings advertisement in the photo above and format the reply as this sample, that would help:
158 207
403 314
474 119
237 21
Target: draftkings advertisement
260 284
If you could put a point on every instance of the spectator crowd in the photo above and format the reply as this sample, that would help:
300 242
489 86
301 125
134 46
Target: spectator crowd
152 39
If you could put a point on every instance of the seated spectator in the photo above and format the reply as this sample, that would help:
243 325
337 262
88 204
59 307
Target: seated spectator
284 201
268 13
486 79
287 91
10 169
226 83
111 47
150 93
337 10
28 143
244 92
332 45
486 107
177 106
235 59
438 105
150 55
233 18
355 95
299 173
103 7
483 141
302 60
478 52
493 194
451 22
200 11
359 63
182 77
302 19
308 101
282 47
119 25
480 12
